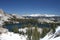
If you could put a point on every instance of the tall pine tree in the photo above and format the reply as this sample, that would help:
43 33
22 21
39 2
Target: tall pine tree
35 34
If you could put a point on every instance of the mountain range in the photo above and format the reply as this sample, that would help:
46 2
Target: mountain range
40 17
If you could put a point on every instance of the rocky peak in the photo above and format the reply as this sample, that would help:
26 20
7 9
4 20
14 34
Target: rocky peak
1 11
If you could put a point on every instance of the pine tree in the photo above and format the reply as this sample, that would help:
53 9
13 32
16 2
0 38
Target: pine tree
53 26
29 32
15 29
44 32
35 34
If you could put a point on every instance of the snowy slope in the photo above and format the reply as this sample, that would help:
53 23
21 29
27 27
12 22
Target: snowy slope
12 36
4 17
51 36
16 36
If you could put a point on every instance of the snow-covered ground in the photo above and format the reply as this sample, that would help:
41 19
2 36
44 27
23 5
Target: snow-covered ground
15 36
6 35
12 36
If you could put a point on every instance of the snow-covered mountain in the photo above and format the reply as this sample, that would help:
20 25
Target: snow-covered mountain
49 18
4 17
7 17
45 15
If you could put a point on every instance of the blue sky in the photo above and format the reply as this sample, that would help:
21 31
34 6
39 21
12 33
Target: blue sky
31 6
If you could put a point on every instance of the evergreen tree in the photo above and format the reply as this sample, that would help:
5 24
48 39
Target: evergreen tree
29 32
15 29
44 32
53 26
35 34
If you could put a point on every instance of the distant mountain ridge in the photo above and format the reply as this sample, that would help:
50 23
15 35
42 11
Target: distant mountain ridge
46 15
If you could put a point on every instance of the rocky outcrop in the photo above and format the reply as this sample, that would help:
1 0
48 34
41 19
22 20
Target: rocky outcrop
3 30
